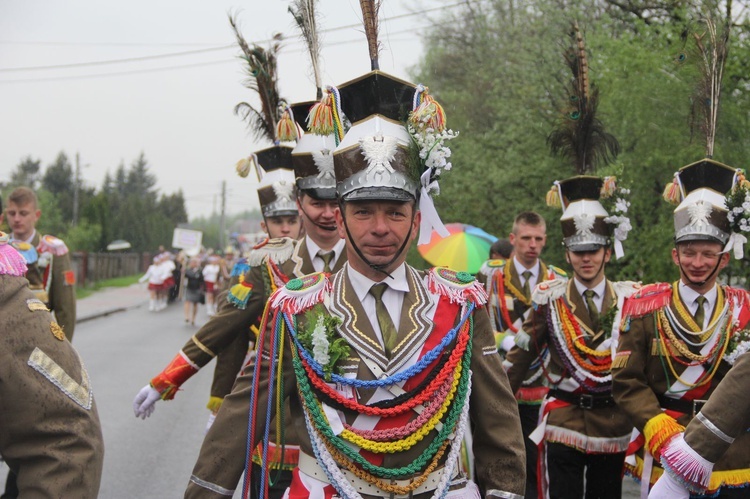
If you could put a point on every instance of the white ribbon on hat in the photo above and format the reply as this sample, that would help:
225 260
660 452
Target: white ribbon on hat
619 252
430 217
737 243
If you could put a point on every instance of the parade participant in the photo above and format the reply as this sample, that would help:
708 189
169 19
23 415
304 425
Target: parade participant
211 280
585 436
227 265
689 458
193 290
50 273
50 435
508 284
676 339
155 280
356 362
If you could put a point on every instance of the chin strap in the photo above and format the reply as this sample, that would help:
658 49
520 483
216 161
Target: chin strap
597 272
697 283
324 227
378 268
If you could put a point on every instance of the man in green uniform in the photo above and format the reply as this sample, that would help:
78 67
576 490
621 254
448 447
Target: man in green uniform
391 339
676 340
50 435
509 283
50 273
584 435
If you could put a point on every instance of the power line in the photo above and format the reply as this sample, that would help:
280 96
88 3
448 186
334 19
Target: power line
169 68
213 49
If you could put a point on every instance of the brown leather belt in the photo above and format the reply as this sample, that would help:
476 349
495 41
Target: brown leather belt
583 400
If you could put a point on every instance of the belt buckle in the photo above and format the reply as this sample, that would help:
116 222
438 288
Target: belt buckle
586 401
698 405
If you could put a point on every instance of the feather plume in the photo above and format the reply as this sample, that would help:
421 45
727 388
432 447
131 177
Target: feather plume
370 11
710 49
579 135
263 79
304 15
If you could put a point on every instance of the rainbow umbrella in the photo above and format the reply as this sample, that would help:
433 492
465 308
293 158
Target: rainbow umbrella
465 249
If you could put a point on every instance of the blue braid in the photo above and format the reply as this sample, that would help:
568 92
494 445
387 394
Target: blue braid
422 364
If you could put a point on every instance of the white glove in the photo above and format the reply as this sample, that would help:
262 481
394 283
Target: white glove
668 488
210 422
143 405
508 342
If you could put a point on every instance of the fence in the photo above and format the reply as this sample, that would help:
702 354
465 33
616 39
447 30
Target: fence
93 267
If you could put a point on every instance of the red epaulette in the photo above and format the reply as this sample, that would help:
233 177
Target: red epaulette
646 300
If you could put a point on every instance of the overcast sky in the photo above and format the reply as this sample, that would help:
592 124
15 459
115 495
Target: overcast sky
178 109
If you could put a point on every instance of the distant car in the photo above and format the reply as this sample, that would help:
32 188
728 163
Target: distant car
118 244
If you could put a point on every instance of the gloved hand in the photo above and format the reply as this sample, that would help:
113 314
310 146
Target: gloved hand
508 342
210 422
144 402
668 488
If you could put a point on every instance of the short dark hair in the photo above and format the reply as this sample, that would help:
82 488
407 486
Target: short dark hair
23 196
501 247
529 218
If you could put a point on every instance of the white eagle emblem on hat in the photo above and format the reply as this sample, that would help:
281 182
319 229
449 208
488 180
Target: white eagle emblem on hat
379 150
324 162
283 190
699 213
584 222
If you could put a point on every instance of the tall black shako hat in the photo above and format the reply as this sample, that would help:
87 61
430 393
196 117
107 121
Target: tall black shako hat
312 158
372 161
276 190
582 221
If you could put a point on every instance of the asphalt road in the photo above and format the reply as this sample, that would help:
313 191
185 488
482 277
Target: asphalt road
151 458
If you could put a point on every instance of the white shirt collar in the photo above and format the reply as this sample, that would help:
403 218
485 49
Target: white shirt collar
31 238
363 284
598 289
689 295
313 248
520 269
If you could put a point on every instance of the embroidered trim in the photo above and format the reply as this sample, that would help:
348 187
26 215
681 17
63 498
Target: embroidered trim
503 494
79 393
203 347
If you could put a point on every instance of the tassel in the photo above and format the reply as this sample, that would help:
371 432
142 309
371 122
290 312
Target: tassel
287 130
320 119
240 268
243 167
553 197
427 113
672 193
240 293
608 187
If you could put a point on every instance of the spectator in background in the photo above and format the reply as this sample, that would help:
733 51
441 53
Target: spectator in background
501 249
211 277
193 290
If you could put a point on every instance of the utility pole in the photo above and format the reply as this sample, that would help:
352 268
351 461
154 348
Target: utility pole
76 181
223 210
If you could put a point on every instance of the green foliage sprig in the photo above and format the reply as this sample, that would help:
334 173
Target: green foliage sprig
321 339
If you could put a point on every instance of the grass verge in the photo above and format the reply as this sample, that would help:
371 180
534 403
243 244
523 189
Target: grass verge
116 282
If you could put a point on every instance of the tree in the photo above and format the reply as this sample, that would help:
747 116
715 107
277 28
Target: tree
25 174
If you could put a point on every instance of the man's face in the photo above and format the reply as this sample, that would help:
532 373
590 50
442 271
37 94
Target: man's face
588 266
697 261
317 218
378 229
22 219
528 242
282 226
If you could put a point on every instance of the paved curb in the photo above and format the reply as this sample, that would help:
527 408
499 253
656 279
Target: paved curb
106 312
